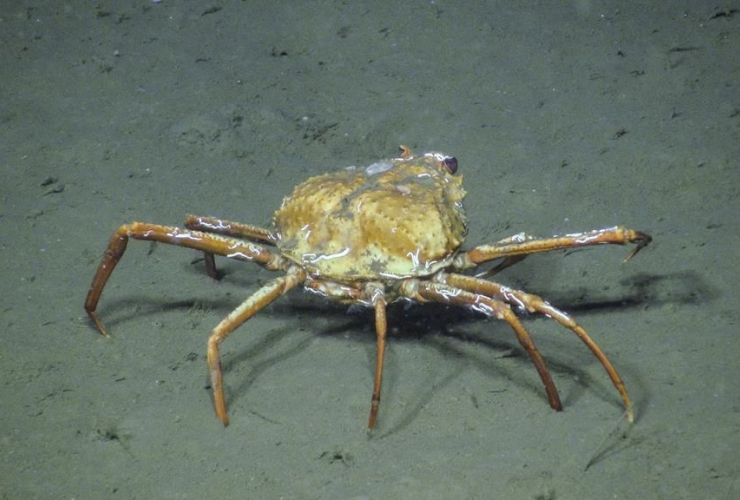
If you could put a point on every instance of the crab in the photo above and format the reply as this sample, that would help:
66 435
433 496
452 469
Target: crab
372 236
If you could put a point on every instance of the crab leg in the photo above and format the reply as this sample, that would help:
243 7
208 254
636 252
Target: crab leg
381 327
215 244
257 301
447 294
534 303
525 245
227 228
373 294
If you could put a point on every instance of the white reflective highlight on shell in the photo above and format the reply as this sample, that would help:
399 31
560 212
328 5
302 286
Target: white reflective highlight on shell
437 156
482 308
414 256
313 258
584 238
378 167
239 256
511 297
447 293
185 236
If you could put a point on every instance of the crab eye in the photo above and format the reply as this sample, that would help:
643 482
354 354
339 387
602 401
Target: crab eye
450 163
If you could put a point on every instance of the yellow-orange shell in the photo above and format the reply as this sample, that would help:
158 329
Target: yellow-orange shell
397 218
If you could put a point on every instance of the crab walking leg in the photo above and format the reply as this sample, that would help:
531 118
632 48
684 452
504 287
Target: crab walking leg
373 293
535 303
215 244
227 228
257 301
381 327
525 245
447 294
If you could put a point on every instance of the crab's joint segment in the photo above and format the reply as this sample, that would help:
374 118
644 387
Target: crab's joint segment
230 228
213 244
247 309
525 245
111 256
376 293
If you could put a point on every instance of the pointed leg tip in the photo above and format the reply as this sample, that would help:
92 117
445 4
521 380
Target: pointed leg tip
223 417
373 418
98 324
641 240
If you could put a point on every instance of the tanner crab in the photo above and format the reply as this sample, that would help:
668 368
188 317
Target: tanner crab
372 236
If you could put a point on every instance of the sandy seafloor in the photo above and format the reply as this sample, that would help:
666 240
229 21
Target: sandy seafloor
564 116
